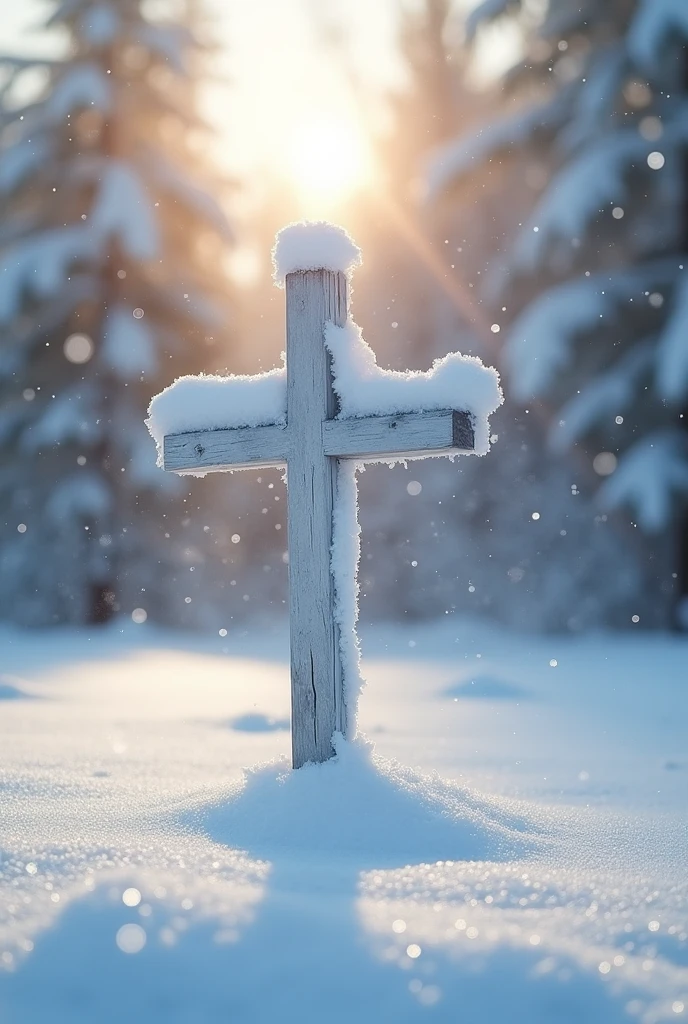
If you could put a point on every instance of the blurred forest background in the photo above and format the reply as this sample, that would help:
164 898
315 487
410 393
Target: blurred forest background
516 173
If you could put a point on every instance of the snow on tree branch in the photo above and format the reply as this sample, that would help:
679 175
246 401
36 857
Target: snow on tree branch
540 342
649 476
488 10
655 22
672 354
468 153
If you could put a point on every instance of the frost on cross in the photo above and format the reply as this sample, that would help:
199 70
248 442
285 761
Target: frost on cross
329 409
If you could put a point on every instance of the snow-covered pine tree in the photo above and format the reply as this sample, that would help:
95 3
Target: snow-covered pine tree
110 283
506 536
601 108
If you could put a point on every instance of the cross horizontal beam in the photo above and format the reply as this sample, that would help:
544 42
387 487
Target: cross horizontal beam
405 435
210 451
369 439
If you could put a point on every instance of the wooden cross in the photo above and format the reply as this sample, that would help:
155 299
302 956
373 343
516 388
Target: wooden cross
311 445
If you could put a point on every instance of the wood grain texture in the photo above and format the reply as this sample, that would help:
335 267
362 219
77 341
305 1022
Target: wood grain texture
211 451
317 690
407 434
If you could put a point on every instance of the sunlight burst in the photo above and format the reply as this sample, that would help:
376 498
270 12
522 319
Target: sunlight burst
328 160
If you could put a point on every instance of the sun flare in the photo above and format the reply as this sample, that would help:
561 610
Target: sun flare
328 160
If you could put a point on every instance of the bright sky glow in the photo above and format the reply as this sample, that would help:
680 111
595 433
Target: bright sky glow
329 160
285 61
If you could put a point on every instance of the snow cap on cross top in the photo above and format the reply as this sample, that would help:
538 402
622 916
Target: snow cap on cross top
313 245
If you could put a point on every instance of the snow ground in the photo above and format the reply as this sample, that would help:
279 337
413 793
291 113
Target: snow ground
513 851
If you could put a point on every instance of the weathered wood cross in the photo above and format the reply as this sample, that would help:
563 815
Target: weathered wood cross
312 444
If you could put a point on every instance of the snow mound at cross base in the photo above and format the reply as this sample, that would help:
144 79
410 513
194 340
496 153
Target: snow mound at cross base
313 245
453 382
363 809
211 402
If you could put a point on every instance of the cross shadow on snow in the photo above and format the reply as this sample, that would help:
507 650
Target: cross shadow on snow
327 828
320 827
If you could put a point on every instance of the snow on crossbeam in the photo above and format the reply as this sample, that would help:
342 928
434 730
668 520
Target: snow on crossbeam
334 408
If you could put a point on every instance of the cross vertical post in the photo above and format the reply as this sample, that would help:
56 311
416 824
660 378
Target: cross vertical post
317 686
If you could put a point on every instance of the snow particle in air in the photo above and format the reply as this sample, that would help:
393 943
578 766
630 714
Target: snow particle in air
553 663
656 161
656 300
131 897
235 538
678 1006
635 618
78 348
471 589
398 926
28 394
21 528
187 600
31 868
414 487
414 563
651 128
121 274
495 328
413 951
534 940
535 516
131 938
653 926
222 632
139 615
617 212
429 995
138 313
604 967
81 460
618 420
604 464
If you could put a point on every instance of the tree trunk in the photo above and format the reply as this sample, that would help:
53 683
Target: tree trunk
103 593
681 612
